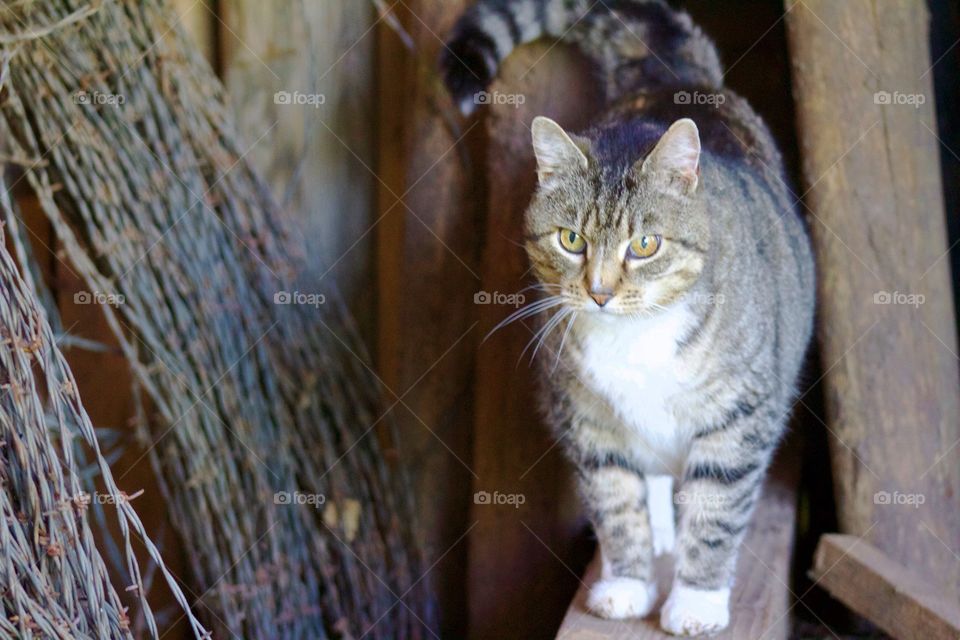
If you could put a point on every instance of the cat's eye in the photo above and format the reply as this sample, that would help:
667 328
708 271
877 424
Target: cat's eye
572 241
644 247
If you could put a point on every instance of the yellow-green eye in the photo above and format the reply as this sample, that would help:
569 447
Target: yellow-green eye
572 241
644 247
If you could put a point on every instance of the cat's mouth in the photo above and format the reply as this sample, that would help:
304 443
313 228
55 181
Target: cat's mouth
618 308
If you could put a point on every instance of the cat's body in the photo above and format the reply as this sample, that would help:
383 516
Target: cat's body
684 281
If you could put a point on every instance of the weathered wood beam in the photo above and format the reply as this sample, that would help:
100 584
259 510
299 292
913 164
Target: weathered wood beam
864 99
521 558
429 239
904 603
301 79
198 20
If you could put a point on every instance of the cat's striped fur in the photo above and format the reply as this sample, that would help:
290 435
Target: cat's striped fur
681 364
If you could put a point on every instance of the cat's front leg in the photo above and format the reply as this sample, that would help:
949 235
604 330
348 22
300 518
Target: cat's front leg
616 497
720 486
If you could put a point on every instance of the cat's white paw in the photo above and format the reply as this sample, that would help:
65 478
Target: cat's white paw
660 506
619 598
694 612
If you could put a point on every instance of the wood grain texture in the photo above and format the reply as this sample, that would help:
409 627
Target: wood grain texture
904 603
887 328
319 155
429 239
760 603
198 20
523 564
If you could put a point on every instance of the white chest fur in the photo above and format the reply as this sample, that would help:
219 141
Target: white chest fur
632 364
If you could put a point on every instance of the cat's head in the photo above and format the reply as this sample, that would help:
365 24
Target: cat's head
630 244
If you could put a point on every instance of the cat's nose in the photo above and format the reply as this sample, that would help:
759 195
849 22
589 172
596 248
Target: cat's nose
601 297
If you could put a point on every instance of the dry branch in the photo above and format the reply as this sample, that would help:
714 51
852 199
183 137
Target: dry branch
53 579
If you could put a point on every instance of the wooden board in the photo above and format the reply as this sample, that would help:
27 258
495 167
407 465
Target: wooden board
904 603
523 561
198 20
318 150
887 329
760 603
428 239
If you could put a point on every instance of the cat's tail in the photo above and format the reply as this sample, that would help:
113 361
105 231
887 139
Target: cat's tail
635 43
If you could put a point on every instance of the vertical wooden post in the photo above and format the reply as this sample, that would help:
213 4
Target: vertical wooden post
198 20
864 96
523 569
301 80
428 247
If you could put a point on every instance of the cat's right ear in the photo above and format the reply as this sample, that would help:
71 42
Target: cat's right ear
677 155
557 154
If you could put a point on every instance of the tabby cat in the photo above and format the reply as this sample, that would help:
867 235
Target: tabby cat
681 279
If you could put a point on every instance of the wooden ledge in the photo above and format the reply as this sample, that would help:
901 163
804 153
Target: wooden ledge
760 602
899 600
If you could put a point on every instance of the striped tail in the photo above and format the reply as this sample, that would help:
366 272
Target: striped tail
636 44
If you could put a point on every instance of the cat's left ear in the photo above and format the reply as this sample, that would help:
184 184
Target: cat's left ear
677 154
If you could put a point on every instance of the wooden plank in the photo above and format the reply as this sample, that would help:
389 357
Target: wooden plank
887 328
318 150
522 560
904 603
197 19
428 257
760 600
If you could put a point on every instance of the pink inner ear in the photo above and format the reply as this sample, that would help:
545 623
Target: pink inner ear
679 151
683 154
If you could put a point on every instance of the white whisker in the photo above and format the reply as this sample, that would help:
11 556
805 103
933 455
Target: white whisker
531 309
563 340
551 325
536 336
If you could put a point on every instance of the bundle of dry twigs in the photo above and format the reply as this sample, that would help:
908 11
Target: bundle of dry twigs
53 577
264 433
